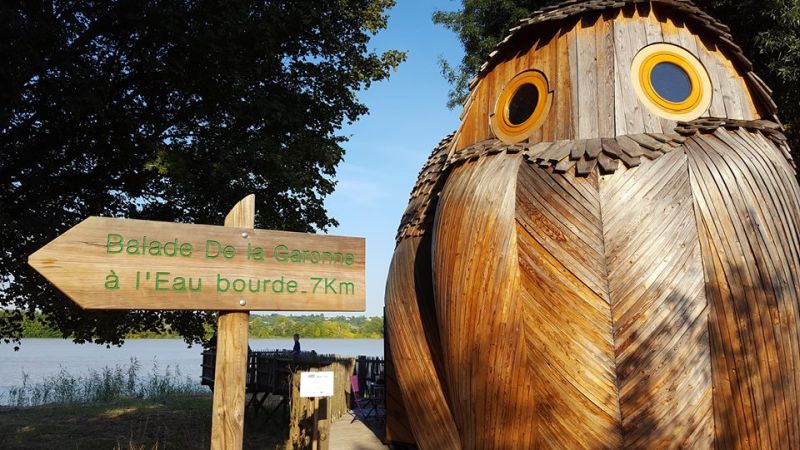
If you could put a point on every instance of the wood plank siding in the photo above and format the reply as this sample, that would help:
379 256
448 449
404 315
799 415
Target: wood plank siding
748 213
415 345
587 63
478 314
618 279
652 307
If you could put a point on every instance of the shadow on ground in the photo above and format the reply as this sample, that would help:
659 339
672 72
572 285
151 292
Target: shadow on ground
175 424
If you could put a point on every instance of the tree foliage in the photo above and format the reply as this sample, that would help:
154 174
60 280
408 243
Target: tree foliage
261 327
169 110
316 326
768 31
480 25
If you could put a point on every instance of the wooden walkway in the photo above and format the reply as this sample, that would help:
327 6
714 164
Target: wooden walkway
354 436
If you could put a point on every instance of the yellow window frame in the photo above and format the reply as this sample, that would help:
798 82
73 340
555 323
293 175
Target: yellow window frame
699 98
502 126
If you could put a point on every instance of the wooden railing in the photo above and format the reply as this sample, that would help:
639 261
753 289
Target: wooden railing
269 372
369 369
278 373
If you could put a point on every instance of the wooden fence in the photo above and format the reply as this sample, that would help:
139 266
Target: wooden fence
278 373
302 413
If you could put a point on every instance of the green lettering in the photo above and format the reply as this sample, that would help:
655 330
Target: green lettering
318 281
256 288
255 253
212 246
171 248
114 243
186 250
155 245
278 285
178 284
347 288
160 280
238 285
280 253
329 285
133 247
221 281
112 281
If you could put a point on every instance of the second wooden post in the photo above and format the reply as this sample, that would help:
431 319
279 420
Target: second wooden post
227 422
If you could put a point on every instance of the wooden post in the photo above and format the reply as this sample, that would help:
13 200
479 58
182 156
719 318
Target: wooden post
314 431
227 422
321 428
323 423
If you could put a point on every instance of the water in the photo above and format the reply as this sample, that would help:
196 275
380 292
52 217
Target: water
40 358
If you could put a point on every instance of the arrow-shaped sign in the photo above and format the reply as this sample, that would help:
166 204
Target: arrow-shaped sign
105 263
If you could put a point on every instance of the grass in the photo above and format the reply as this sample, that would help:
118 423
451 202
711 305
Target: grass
120 408
104 385
176 423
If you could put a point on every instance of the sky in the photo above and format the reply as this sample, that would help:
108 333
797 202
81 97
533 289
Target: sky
387 148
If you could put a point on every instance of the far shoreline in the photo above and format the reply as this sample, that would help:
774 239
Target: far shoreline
181 338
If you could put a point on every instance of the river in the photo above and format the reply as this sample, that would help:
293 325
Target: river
41 358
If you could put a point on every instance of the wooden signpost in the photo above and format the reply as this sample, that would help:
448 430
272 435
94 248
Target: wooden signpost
105 263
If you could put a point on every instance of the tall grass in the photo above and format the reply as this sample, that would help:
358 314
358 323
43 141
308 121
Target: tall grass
107 384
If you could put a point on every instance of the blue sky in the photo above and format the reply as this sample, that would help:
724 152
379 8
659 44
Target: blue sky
408 117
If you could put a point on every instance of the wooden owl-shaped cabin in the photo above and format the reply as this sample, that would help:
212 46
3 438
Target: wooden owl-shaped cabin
606 253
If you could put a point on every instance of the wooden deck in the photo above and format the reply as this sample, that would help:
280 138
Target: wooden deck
354 436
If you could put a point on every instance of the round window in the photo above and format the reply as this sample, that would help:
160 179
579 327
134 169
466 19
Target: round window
523 104
521 107
671 82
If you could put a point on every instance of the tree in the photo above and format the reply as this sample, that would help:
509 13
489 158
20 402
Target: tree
169 110
768 31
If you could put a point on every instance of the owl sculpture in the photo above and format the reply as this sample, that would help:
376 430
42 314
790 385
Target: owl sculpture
606 253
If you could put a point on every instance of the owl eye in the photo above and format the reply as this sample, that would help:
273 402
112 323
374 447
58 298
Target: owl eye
522 106
671 82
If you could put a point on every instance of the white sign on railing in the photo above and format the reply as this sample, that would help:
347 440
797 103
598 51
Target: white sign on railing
316 384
